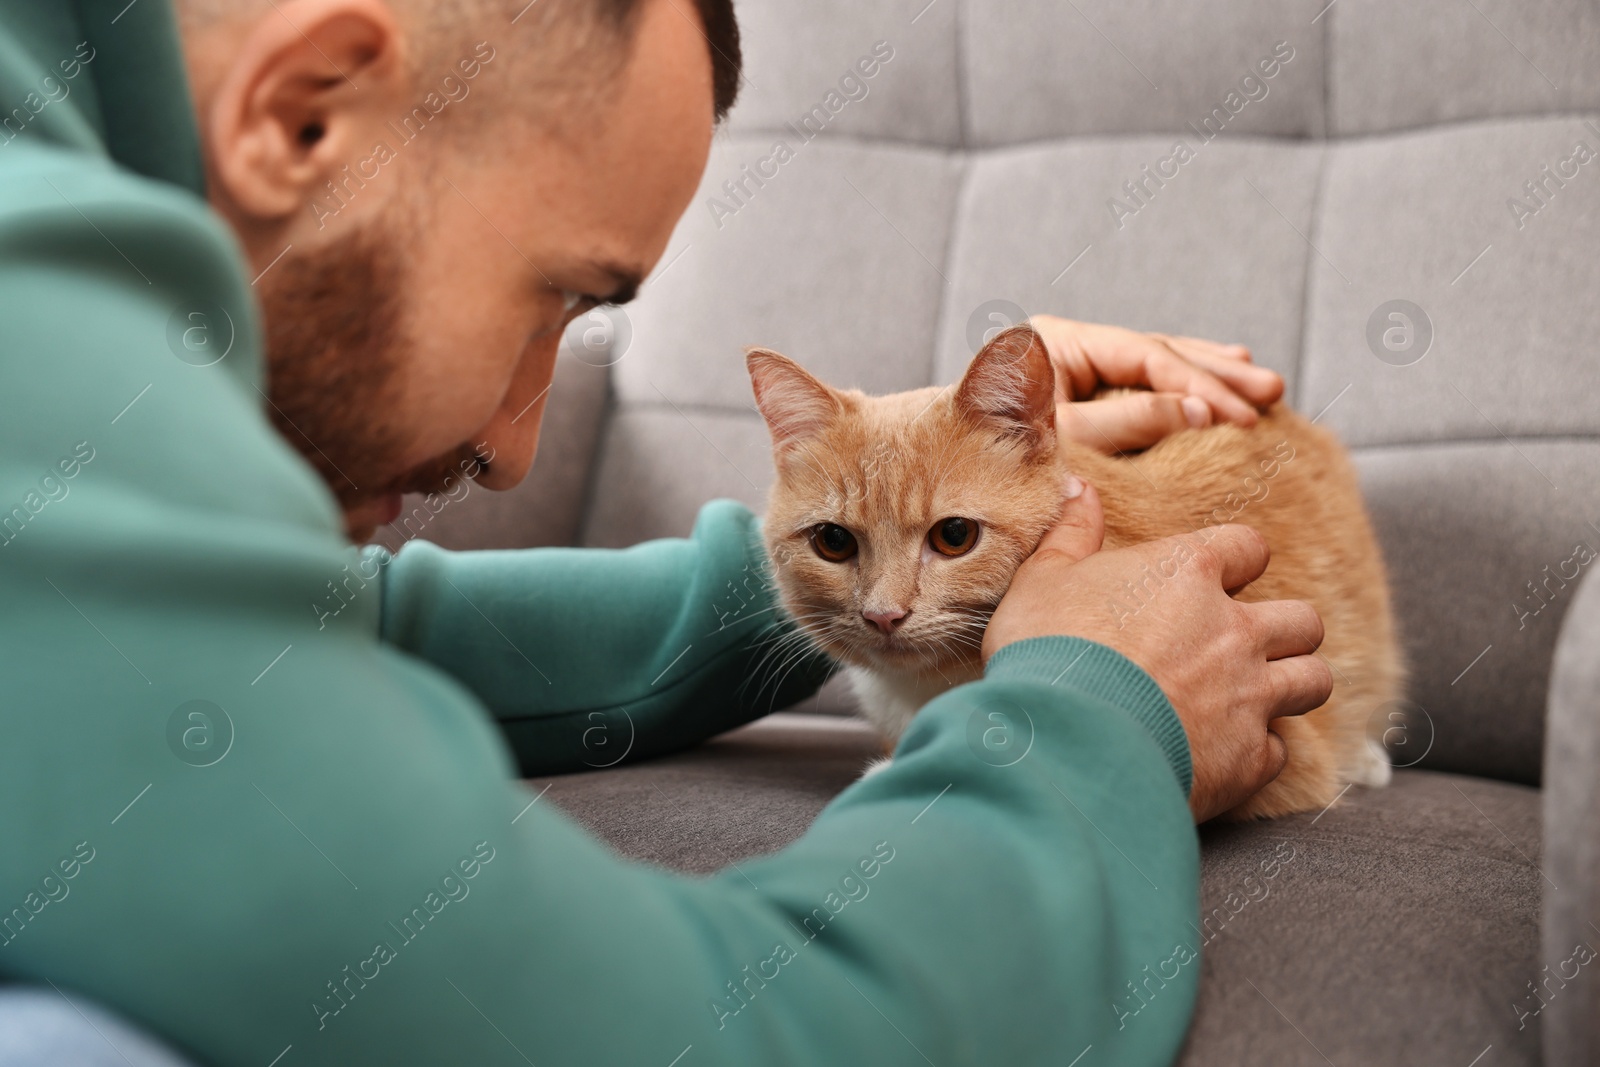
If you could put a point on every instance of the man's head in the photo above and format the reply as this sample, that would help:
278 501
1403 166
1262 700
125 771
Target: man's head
430 190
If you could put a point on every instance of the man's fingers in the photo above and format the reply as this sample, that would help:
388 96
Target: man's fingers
1081 529
1167 370
1151 361
1241 553
1276 757
1129 423
1299 684
1287 627
1201 346
1231 364
1258 385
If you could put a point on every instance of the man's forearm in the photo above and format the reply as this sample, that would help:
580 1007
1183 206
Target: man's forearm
1011 898
591 656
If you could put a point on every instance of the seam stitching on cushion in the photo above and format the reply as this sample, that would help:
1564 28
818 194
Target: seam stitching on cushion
1313 224
1450 442
961 158
1314 227
1115 137
602 445
1327 76
762 133
959 55
1579 437
964 163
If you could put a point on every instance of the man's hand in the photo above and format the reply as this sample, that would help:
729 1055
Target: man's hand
1228 667
1193 383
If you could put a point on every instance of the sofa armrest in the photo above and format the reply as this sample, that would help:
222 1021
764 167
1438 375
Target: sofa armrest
1571 1018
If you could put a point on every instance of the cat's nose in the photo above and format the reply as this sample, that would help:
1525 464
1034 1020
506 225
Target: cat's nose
887 621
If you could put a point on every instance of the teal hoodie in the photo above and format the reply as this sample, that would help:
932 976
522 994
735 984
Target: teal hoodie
262 827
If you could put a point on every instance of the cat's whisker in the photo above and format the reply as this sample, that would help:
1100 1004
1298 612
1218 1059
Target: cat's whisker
784 647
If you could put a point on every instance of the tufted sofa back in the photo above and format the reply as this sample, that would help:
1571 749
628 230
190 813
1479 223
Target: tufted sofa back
1292 175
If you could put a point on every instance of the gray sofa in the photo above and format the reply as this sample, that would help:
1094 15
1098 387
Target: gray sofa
981 170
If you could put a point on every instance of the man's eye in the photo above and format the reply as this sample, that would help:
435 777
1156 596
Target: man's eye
572 306
579 301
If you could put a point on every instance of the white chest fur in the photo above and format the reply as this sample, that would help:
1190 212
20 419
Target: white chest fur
889 699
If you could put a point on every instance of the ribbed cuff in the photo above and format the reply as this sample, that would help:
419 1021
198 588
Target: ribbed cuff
1097 671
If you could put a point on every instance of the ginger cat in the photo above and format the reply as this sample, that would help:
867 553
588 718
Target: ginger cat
897 522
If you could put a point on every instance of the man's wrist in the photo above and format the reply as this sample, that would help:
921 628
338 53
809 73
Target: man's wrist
1101 672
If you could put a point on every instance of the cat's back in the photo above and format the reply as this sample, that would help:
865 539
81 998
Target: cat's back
1294 483
1288 478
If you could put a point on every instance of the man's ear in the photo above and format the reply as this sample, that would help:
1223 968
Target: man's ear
1010 386
306 96
797 406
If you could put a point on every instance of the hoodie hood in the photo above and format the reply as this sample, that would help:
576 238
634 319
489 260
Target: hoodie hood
104 77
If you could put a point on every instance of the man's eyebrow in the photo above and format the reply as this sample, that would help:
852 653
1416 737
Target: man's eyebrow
626 281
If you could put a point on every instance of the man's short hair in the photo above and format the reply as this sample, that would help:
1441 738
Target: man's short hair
720 28
440 27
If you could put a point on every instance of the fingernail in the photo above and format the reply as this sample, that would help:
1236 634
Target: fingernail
1196 411
1072 487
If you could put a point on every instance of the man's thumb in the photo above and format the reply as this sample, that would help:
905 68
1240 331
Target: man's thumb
1081 528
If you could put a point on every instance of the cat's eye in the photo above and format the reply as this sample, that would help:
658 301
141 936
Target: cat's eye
953 536
833 542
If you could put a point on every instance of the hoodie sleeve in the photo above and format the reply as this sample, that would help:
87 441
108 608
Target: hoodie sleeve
272 840
589 657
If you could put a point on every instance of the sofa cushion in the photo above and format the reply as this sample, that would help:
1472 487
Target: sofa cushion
1485 543
1403 218
835 258
1402 927
1394 66
746 793
1214 250
1038 68
1398 927
796 54
1572 828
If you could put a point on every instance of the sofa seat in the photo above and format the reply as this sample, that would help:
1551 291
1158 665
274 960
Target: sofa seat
1401 926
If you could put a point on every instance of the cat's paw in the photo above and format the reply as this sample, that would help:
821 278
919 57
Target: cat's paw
874 767
1373 769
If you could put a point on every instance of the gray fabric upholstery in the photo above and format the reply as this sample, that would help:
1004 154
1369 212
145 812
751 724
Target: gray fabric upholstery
1399 927
1571 1022
1037 69
1402 931
764 277
747 793
1395 66
791 64
1206 257
1402 217
1467 526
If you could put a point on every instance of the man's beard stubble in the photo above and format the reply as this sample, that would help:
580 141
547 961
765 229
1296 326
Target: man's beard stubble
336 344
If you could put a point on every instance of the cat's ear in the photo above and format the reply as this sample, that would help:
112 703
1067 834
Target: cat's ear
1011 385
797 406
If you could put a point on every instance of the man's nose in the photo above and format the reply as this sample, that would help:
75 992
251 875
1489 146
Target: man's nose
887 621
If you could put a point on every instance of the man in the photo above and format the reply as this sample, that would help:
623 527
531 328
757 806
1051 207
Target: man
277 834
